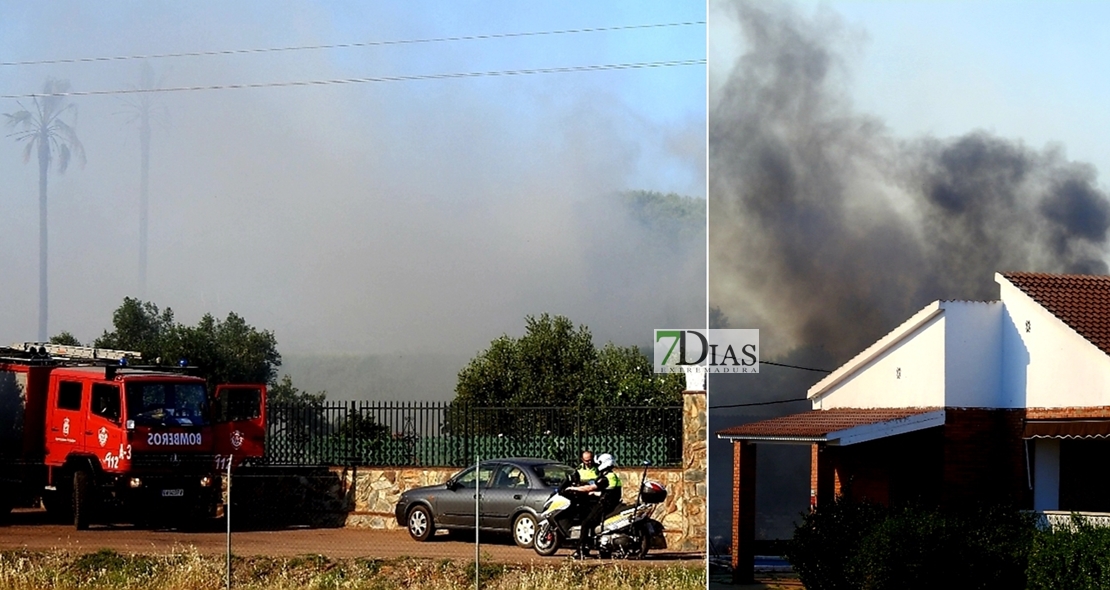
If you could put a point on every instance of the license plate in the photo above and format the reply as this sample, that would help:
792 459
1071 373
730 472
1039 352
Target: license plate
173 493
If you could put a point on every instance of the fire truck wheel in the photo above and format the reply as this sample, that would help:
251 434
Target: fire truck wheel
81 502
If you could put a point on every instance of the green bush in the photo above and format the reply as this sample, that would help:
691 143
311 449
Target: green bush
868 547
1076 557
827 541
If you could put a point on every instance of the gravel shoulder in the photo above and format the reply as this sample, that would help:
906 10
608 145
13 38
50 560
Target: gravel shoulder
30 529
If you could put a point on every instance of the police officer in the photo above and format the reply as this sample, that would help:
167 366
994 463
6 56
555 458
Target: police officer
587 469
604 492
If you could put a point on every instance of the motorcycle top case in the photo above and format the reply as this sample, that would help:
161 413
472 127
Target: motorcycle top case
653 492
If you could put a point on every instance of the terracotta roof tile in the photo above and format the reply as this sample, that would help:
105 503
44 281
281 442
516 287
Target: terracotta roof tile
818 423
1080 301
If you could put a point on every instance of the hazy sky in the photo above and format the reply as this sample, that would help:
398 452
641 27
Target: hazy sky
374 217
1030 78
1039 71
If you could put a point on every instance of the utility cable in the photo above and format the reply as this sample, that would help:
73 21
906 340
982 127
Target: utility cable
345 45
405 78
794 367
771 403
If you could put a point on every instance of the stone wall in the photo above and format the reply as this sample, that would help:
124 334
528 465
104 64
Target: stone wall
374 493
365 496
694 464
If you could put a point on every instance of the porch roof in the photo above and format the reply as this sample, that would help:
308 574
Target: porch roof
837 426
1069 428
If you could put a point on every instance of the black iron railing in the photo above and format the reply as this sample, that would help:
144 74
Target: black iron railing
447 434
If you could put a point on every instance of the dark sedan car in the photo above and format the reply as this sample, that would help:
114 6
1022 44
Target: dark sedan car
510 492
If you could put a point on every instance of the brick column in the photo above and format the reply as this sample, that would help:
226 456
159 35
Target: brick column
823 487
694 467
743 512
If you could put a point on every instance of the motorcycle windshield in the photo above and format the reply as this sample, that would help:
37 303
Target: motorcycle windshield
555 503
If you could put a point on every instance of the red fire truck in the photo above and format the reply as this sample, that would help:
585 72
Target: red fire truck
98 438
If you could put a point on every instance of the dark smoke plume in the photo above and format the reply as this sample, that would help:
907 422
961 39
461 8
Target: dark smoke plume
827 231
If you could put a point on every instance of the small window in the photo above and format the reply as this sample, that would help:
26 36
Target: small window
105 400
69 396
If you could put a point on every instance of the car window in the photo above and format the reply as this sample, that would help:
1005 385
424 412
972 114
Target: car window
553 474
510 476
466 478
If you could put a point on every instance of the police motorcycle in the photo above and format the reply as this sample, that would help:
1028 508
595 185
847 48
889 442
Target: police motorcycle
627 532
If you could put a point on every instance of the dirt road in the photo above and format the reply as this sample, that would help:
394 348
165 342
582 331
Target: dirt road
30 529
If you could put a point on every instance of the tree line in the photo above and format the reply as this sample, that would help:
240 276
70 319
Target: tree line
554 363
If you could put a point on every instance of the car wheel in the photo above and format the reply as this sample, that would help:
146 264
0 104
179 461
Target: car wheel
421 526
524 530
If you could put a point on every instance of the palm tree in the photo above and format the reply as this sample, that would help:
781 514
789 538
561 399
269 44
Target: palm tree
43 129
142 110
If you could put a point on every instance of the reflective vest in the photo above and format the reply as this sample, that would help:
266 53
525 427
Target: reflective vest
586 474
611 495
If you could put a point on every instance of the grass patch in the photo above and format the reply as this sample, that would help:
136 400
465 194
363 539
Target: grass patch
189 570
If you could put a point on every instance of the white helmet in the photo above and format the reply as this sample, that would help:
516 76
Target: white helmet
606 461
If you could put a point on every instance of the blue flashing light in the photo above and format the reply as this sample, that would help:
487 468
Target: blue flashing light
123 361
183 363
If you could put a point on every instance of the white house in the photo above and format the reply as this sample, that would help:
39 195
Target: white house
965 402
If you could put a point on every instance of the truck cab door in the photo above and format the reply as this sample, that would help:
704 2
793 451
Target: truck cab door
65 423
239 424
104 435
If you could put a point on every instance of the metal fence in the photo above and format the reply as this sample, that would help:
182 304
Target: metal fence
446 434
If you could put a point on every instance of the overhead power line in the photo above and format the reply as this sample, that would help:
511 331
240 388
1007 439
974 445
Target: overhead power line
794 367
372 79
346 45
771 403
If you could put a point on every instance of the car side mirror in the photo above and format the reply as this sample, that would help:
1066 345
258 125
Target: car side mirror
452 484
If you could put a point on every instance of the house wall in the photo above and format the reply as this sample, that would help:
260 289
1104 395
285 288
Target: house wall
895 470
1046 473
984 458
1046 364
910 373
973 354
951 360
976 457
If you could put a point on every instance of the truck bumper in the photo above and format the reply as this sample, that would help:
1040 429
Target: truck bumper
167 495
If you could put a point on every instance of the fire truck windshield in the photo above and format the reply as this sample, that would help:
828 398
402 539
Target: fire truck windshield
169 403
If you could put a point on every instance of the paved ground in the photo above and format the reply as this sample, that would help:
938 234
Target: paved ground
30 529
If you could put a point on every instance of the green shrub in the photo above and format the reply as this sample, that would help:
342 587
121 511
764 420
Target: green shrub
826 542
868 547
1076 557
